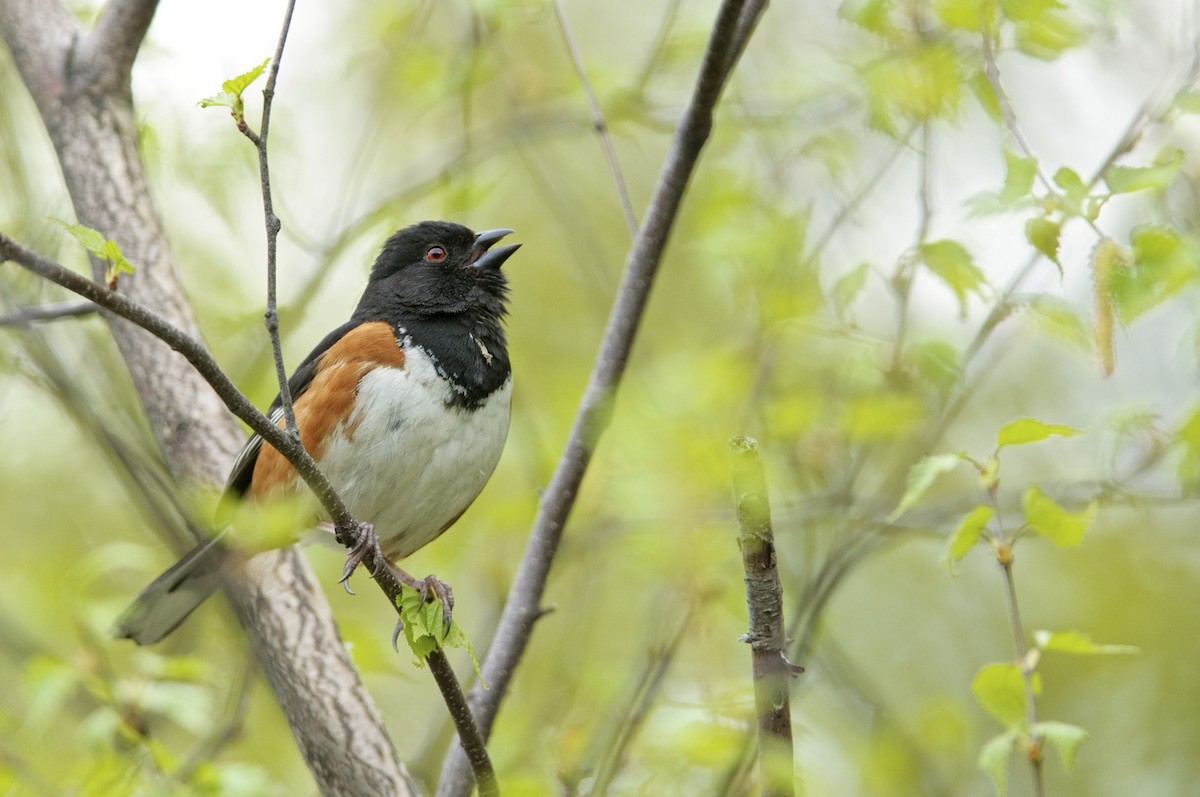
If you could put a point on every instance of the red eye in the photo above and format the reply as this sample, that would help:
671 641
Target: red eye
435 254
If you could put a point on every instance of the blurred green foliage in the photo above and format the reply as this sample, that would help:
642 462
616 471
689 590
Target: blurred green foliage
870 271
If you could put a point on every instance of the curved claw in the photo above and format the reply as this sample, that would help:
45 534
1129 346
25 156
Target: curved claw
368 542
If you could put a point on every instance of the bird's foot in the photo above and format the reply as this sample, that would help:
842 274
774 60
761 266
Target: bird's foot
367 542
428 588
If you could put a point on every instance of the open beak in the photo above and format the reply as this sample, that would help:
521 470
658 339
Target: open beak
482 258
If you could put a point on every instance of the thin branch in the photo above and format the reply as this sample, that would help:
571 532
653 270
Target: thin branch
24 316
1034 750
223 733
598 121
271 317
523 605
764 601
634 717
471 739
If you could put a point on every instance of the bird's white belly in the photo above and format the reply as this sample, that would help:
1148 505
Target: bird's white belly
407 461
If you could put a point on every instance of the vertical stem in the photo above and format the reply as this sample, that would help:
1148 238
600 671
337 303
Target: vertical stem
764 600
1034 751
271 317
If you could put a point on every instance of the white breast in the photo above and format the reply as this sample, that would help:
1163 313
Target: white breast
409 462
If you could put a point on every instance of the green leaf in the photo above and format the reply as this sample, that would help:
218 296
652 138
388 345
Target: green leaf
1065 529
103 249
937 362
1059 320
1164 263
1188 102
968 533
985 95
1078 644
970 15
1018 179
1000 691
1030 430
871 15
1044 235
848 286
230 95
1127 179
920 478
425 630
1065 738
952 264
993 758
1071 185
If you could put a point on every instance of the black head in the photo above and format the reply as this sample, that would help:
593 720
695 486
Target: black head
439 285
438 267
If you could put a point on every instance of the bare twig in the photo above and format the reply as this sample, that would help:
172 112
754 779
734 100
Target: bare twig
471 739
598 121
1034 751
230 725
764 599
634 716
24 316
271 317
523 606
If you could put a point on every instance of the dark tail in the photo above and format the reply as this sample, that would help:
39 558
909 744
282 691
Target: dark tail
171 597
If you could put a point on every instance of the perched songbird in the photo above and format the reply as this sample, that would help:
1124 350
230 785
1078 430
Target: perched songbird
405 407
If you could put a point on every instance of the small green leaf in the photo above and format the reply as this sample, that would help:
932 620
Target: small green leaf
1078 644
1058 319
1018 179
937 362
230 95
1065 738
1127 179
425 630
920 478
1030 430
1188 102
993 758
1163 263
1000 691
848 286
105 250
952 264
968 533
1071 185
970 15
1065 529
1044 235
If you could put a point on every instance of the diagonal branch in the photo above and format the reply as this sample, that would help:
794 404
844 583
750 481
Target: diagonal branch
195 353
599 123
523 605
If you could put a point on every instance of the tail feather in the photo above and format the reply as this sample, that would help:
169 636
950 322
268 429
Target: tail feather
171 597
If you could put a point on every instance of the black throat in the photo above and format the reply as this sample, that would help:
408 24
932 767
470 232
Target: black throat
468 349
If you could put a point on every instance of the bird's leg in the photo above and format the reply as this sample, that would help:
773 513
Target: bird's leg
367 542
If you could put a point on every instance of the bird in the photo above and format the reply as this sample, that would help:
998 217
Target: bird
405 408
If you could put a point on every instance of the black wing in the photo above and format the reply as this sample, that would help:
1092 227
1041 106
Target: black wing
243 466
